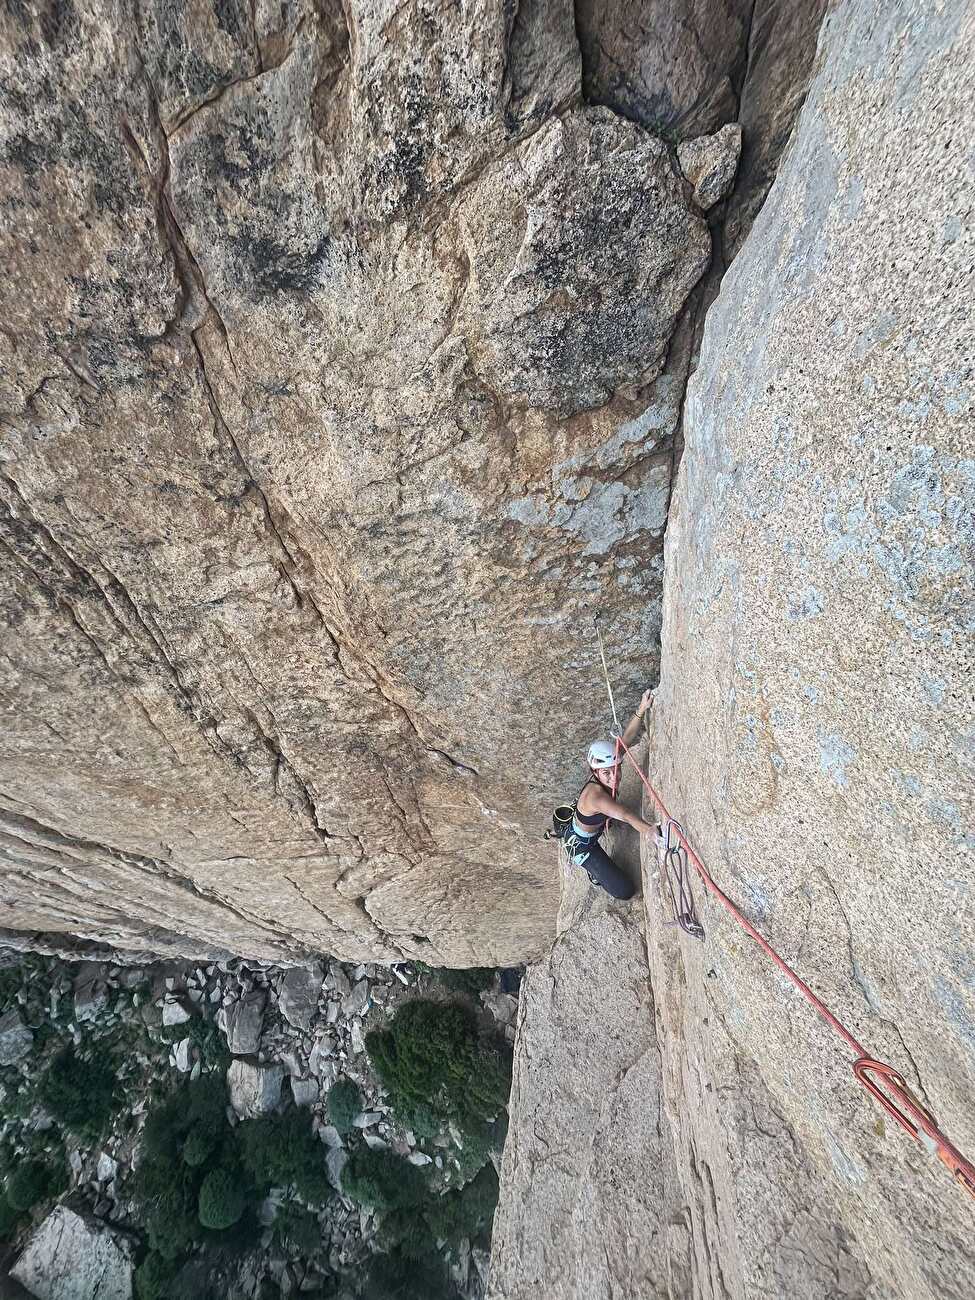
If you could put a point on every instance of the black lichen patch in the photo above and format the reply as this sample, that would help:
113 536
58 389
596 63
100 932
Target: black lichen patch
58 22
277 268
230 16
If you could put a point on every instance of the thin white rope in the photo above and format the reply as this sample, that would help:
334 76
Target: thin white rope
618 730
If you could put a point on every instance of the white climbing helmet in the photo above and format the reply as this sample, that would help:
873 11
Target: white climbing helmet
602 754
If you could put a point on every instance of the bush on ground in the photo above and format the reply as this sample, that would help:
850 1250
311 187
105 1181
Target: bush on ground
153 1277
200 1143
431 1059
465 1213
80 1093
401 1277
167 1183
222 1199
383 1180
31 1182
283 1151
344 1103
9 1218
297 1230
471 981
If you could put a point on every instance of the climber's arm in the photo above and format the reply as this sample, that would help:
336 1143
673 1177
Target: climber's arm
600 801
632 731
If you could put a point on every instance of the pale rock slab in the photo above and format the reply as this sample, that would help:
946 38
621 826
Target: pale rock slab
298 997
16 1038
305 1091
242 1022
70 1257
254 1089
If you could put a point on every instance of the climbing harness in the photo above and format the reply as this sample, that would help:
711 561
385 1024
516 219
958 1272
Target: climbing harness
676 877
880 1080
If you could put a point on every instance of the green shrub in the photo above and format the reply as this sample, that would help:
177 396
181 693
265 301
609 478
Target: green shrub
397 1276
430 1059
344 1103
222 1199
31 1182
200 1143
166 1183
153 1277
298 1230
465 1213
9 1218
283 1151
471 982
383 1180
80 1093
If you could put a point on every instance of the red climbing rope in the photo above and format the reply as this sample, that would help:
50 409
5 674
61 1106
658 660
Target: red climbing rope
880 1080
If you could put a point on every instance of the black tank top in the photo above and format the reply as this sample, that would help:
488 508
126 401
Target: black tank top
595 820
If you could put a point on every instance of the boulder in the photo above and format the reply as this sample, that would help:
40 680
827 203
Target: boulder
355 1003
330 1136
183 1055
107 1167
668 64
73 1257
305 1091
16 1039
337 980
174 1012
366 1118
254 1089
335 1162
242 1022
710 162
503 1006
91 994
298 996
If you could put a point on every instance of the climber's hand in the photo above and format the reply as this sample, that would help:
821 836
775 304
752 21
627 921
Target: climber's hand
646 700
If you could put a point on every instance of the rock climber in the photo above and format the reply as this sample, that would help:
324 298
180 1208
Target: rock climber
595 806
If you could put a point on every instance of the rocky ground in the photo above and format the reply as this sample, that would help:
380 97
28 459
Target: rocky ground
281 1036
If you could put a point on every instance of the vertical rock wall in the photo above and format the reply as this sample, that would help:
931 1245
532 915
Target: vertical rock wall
812 733
336 393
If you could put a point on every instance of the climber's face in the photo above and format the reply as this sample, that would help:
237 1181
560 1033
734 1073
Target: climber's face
604 775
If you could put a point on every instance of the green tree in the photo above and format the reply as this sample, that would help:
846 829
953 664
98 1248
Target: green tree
80 1092
470 981
468 1212
297 1229
344 1103
431 1060
397 1276
153 1277
199 1145
31 1182
283 1151
221 1199
167 1183
383 1180
9 1219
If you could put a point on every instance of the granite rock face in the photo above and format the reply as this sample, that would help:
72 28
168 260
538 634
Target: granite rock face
809 731
584 1166
336 388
